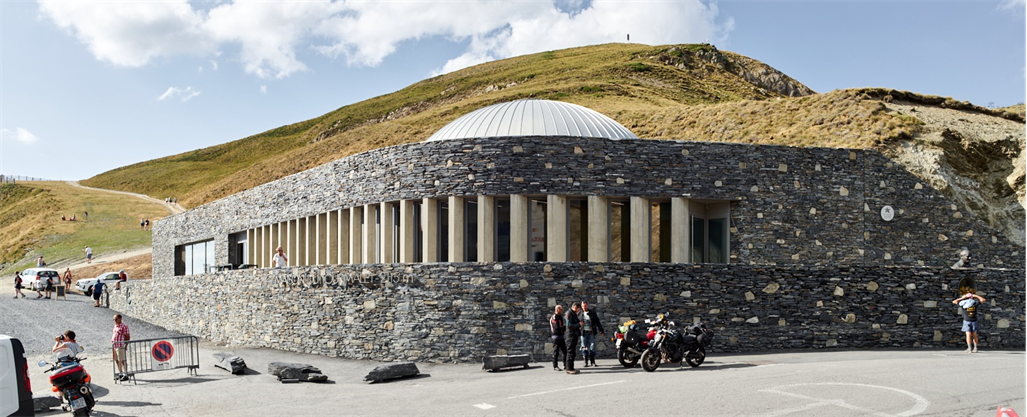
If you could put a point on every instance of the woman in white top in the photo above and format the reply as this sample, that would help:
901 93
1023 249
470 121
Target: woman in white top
65 345
280 260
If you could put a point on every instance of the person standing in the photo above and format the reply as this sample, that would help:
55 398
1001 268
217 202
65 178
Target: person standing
18 285
968 305
67 278
50 277
573 334
280 259
89 255
590 327
118 339
97 292
557 328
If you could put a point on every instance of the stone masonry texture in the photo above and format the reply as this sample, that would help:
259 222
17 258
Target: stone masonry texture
805 223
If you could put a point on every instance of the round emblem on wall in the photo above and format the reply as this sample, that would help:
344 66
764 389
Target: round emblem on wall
887 213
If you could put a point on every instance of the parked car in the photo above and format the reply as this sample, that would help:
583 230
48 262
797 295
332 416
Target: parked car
86 285
35 278
15 386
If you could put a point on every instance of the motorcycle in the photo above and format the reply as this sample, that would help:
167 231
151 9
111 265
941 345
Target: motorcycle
631 343
672 346
71 380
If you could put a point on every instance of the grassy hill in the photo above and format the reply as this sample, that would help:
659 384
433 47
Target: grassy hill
31 225
627 82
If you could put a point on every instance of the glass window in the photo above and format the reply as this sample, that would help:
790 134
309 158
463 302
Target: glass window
471 231
502 241
537 238
718 241
195 258
418 234
443 232
698 240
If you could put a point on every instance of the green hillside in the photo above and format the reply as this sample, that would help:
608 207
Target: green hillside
627 82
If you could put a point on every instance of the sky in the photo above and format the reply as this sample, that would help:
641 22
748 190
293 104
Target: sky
86 87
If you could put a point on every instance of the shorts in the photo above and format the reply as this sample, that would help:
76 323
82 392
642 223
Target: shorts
970 326
119 354
96 296
89 256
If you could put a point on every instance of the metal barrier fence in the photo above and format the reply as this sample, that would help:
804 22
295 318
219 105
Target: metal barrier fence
164 354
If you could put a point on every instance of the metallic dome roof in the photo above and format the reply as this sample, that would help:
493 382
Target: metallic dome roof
533 118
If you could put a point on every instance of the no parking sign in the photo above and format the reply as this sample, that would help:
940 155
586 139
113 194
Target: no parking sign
161 353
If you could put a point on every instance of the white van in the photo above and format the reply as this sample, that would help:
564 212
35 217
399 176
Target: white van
35 278
15 386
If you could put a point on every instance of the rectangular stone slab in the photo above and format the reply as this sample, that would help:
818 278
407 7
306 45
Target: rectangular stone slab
392 371
496 362
302 372
229 362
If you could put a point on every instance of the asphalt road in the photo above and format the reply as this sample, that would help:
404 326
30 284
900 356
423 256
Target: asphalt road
809 383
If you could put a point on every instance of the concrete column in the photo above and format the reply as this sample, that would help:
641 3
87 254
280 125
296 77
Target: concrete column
519 229
386 239
370 255
356 255
680 230
255 246
251 239
598 229
556 228
430 223
344 237
332 238
486 228
406 231
640 229
456 229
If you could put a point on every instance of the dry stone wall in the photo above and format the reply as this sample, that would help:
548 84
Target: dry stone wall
462 312
789 205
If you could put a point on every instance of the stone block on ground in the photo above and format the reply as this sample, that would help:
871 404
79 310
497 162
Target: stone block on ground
44 402
392 371
229 362
297 371
497 362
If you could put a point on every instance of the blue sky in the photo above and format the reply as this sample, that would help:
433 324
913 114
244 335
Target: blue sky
88 87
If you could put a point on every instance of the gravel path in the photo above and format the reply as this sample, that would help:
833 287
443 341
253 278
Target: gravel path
37 321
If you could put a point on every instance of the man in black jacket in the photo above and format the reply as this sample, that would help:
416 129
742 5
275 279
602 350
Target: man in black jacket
573 334
590 327
557 328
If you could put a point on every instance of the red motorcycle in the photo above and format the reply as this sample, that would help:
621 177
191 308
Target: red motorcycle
631 342
71 380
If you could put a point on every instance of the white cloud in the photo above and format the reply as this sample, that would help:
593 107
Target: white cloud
19 134
271 37
1015 5
132 33
184 95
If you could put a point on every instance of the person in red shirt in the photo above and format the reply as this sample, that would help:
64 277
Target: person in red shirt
118 339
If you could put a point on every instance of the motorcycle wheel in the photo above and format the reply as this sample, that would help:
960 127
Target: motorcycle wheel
628 359
650 360
82 413
696 357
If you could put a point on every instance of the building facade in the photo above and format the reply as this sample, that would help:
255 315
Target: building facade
537 187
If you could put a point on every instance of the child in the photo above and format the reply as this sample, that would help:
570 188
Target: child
968 304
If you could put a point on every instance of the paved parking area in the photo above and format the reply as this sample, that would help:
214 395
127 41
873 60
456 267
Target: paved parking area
808 383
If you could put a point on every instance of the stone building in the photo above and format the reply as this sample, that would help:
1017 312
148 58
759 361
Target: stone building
414 251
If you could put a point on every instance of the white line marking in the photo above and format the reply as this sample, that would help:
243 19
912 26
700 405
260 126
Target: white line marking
565 389
920 406
484 406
